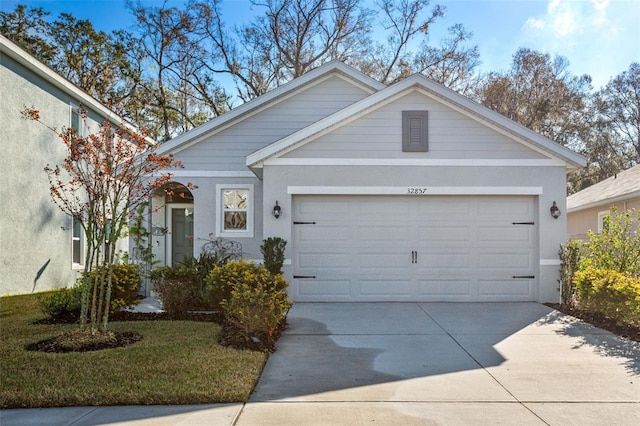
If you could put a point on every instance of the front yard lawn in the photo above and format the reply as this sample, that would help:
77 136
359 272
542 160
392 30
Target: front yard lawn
176 362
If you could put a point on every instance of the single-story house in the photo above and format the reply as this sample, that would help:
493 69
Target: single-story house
41 248
587 209
407 192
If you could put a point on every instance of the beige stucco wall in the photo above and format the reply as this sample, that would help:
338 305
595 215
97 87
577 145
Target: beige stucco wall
582 221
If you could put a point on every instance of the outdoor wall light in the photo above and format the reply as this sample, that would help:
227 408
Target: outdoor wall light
555 211
277 211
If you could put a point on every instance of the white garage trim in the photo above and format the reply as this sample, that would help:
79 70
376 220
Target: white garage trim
445 162
418 190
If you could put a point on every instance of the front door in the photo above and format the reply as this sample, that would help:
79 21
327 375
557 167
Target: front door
181 234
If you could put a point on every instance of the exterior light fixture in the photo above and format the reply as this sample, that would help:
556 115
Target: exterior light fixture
555 211
277 211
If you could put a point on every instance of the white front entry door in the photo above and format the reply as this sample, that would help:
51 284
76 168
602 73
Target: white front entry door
422 248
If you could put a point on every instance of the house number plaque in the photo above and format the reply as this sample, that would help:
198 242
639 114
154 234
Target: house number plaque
416 190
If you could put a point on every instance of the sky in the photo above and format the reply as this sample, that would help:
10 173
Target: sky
600 38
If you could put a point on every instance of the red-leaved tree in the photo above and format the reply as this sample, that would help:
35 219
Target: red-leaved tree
102 179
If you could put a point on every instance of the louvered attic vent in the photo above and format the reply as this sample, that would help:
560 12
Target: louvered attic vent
415 131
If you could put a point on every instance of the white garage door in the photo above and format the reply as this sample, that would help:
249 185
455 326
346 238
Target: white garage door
427 248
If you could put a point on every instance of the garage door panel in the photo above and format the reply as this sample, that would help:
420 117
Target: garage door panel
325 260
436 207
444 261
397 289
506 235
318 234
503 261
322 207
499 208
444 288
382 260
444 233
388 209
384 234
505 289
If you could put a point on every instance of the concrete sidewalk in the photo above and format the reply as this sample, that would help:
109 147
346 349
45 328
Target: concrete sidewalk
416 364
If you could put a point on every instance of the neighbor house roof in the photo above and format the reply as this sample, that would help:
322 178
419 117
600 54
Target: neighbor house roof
432 89
622 186
15 52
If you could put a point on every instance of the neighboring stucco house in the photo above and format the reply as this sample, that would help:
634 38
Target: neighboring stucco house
587 209
409 192
40 247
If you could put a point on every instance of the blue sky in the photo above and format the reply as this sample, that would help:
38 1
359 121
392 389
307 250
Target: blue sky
599 37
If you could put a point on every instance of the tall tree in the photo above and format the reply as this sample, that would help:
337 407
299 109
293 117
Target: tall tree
540 93
618 104
180 91
28 28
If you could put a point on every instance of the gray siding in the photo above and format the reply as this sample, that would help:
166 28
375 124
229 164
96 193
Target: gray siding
379 135
227 150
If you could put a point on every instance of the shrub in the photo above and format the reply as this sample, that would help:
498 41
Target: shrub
125 284
258 301
65 301
177 288
617 247
609 293
571 255
272 250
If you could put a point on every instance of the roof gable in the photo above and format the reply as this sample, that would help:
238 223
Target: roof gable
260 103
622 186
443 95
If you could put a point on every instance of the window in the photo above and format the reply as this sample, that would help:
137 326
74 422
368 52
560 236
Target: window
235 211
602 223
77 244
77 122
415 131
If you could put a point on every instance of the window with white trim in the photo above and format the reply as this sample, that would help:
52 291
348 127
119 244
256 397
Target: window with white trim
234 216
602 223
77 244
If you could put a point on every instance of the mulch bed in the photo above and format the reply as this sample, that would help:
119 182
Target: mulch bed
628 331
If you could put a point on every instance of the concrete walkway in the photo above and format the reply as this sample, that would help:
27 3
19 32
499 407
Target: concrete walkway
416 364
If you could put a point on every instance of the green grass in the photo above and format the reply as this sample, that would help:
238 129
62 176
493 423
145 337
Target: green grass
176 362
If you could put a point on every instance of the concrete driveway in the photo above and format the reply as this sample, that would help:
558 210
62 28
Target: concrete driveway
445 363
415 364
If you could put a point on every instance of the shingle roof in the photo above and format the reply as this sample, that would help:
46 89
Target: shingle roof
624 185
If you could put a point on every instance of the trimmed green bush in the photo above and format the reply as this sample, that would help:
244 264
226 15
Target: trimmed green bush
609 293
257 302
179 289
65 301
272 249
125 284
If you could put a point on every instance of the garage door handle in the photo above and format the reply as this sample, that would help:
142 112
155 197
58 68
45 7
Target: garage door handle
414 256
304 276
523 223
524 276
304 223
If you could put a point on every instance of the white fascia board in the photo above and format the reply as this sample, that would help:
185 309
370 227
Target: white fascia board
444 95
488 114
415 191
605 203
419 162
259 103
7 47
211 174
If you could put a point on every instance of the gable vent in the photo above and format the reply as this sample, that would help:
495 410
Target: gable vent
415 131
